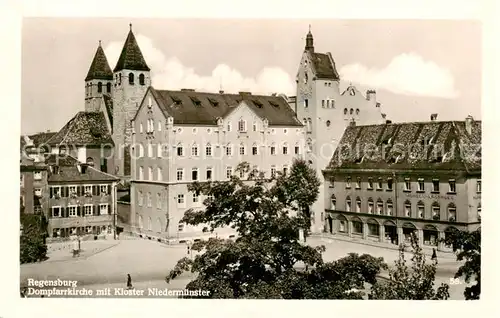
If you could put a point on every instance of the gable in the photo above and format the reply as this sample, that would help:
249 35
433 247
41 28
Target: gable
150 99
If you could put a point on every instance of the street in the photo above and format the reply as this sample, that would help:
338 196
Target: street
107 264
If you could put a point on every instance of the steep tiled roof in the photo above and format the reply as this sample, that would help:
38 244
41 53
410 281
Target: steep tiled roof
68 172
410 146
99 69
131 57
189 107
86 128
324 67
108 103
41 138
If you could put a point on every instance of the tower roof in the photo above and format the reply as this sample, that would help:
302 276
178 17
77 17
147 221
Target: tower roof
131 57
99 69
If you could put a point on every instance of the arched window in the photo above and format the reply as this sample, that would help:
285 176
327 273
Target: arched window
435 211
358 205
420 209
357 111
194 150
90 161
479 211
351 111
407 208
370 206
333 202
141 79
140 222
180 150
345 111
389 207
99 87
309 124
242 125
348 204
452 212
328 123
380 206
150 224
131 78
108 88
309 145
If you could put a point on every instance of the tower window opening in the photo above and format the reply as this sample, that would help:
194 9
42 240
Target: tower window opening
108 88
141 79
120 79
131 78
99 87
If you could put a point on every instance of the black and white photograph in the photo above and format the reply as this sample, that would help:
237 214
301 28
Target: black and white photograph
246 158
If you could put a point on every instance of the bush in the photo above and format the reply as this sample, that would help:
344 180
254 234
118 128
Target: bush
32 241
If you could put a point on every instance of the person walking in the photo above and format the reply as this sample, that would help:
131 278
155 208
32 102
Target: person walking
434 255
129 282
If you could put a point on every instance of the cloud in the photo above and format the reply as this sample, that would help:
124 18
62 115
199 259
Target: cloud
170 73
407 74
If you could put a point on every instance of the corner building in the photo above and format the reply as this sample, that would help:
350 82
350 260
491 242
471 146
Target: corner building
185 136
387 181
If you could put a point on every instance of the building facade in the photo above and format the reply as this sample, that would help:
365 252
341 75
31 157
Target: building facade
385 182
81 199
325 111
185 136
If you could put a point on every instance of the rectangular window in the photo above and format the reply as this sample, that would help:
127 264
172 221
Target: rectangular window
159 126
285 170
452 214
379 184
104 188
180 174
180 199
306 103
242 127
150 203
242 174
194 174
407 184
348 205
209 173
435 185
56 212
38 192
389 208
358 206
421 185
370 184
452 184
150 173
141 173
323 103
196 197
389 184
254 150
408 210
140 198
297 150
285 150
229 172
273 171
87 208
348 182
37 175
373 229
180 151
358 183
228 126
229 150
208 151
435 212
103 208
254 126
72 190
72 211
478 186
150 150
273 150
158 200
194 151
242 150
88 190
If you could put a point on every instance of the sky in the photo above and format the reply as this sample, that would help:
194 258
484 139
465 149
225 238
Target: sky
417 67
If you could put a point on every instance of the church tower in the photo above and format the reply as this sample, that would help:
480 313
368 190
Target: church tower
99 81
326 112
131 81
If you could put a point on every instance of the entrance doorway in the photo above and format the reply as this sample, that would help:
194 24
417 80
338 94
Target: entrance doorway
430 235
330 224
391 233
408 230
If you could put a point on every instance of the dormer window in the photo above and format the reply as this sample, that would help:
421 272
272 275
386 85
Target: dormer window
176 100
90 161
195 100
258 103
213 102
274 104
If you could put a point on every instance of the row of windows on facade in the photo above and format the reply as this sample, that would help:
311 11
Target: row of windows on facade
80 210
88 88
180 226
242 150
89 229
57 192
309 126
131 79
180 198
387 209
407 184
195 173
242 127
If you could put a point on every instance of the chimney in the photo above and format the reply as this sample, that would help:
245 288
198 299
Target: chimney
388 121
468 124
221 92
82 168
274 94
371 95
187 90
434 117
384 115
48 130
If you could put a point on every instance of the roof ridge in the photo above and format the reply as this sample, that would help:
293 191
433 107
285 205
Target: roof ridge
102 172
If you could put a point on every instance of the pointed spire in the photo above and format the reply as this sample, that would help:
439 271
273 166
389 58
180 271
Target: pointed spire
310 41
131 56
99 69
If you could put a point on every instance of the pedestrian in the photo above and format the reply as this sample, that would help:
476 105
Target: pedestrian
129 282
434 255
76 248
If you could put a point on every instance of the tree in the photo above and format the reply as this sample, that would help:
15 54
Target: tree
267 260
32 240
415 283
467 246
